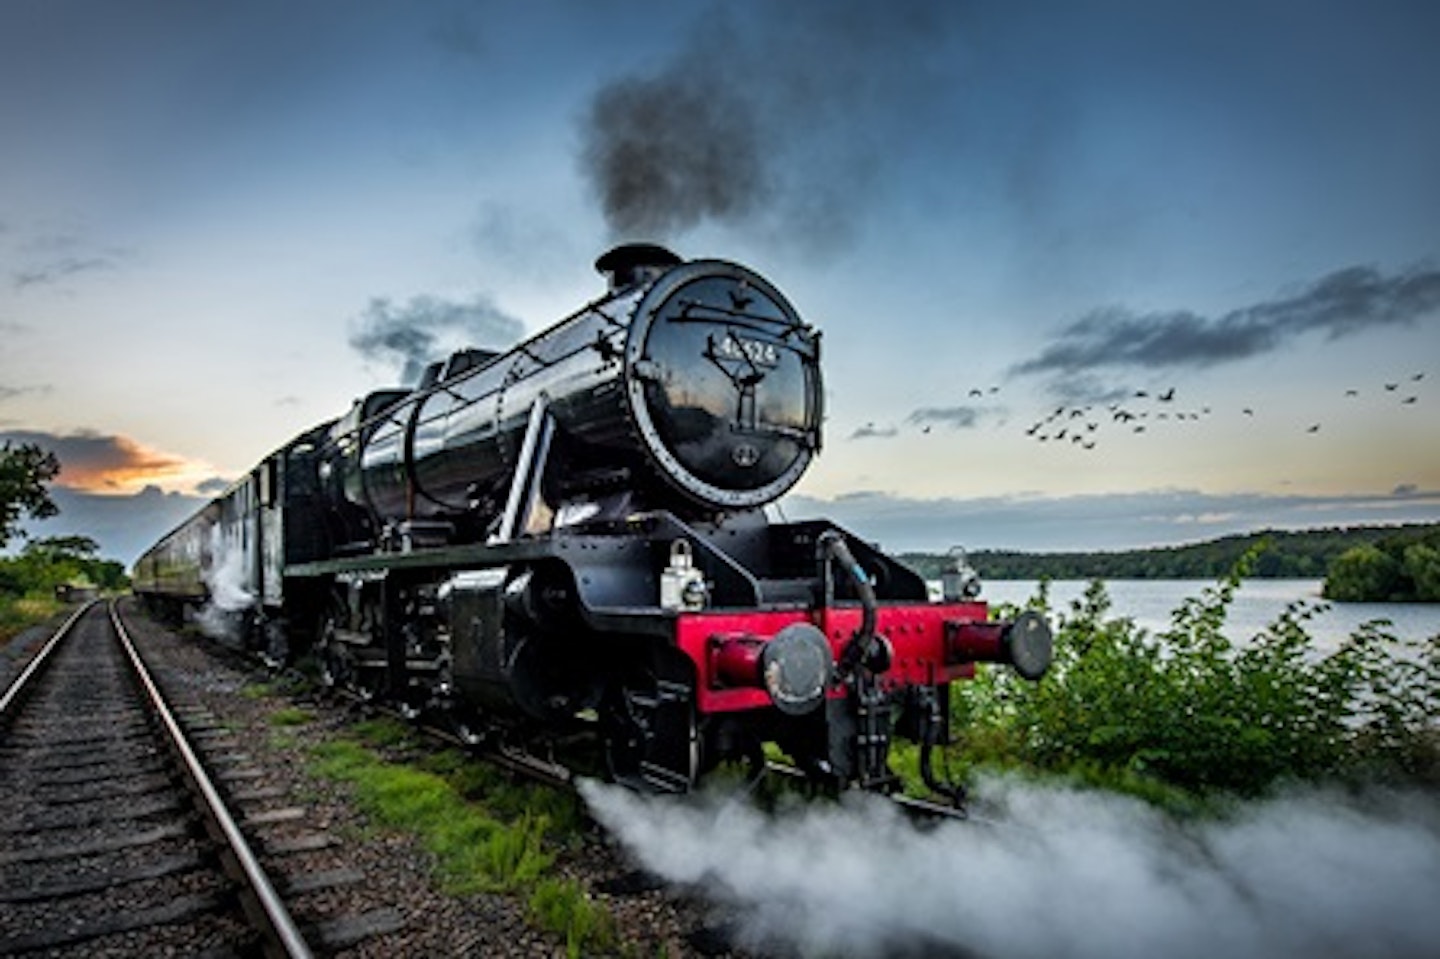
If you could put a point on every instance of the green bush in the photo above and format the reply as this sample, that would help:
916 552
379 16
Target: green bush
1188 708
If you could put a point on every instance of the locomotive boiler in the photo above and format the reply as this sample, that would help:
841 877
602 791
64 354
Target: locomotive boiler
571 537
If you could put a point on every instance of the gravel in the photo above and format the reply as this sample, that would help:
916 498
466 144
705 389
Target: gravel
399 894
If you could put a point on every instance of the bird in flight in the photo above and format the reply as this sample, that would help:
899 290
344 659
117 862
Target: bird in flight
1314 429
1167 396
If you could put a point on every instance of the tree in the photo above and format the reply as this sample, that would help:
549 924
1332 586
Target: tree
1422 563
24 472
1364 574
68 547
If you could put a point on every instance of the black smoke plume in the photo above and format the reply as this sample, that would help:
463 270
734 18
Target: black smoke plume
674 151
1341 304
776 117
426 328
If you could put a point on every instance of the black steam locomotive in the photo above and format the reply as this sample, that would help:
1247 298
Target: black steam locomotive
570 536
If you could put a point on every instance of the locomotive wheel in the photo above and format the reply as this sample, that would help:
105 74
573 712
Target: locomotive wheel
650 738
337 669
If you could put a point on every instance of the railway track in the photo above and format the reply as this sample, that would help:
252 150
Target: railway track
113 838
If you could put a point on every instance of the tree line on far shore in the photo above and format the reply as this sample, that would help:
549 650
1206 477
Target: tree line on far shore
1362 563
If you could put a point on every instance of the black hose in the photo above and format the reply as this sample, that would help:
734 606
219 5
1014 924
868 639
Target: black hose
930 726
831 545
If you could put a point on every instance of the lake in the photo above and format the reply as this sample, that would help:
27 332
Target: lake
1258 602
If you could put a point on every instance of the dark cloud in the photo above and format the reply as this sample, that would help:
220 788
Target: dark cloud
97 462
1405 489
213 486
124 526
61 269
1086 388
958 417
781 121
10 392
1341 304
426 328
871 431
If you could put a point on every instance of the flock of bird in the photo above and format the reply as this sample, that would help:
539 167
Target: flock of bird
1079 425
1082 425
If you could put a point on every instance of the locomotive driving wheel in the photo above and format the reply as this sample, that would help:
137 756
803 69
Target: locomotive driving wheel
337 665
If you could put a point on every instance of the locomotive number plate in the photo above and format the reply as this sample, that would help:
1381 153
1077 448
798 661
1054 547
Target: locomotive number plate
759 352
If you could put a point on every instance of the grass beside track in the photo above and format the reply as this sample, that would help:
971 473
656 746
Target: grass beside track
487 832
18 614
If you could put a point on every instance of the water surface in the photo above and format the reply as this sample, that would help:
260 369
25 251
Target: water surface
1149 602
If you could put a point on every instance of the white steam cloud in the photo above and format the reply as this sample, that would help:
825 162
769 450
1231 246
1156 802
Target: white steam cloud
1059 874
228 580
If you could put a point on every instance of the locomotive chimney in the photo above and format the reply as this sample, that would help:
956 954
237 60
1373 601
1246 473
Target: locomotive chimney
633 263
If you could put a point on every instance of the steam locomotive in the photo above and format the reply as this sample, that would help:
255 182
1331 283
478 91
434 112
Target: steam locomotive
570 537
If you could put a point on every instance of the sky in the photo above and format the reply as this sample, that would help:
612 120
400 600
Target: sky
220 225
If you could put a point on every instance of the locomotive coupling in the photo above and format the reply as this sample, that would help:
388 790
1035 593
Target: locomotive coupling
1025 644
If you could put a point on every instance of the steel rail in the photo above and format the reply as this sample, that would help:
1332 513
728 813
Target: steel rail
278 923
11 697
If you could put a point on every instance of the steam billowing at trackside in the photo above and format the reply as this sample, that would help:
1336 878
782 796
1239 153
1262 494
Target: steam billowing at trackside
772 118
426 328
225 581
1056 873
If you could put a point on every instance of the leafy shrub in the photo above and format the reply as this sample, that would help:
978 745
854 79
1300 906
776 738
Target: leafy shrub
1188 708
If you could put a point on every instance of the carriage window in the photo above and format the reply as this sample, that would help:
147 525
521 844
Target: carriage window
267 483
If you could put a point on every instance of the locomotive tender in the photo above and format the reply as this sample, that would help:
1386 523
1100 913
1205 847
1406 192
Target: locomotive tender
571 536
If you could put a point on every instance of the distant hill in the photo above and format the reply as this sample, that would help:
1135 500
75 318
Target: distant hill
1291 555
